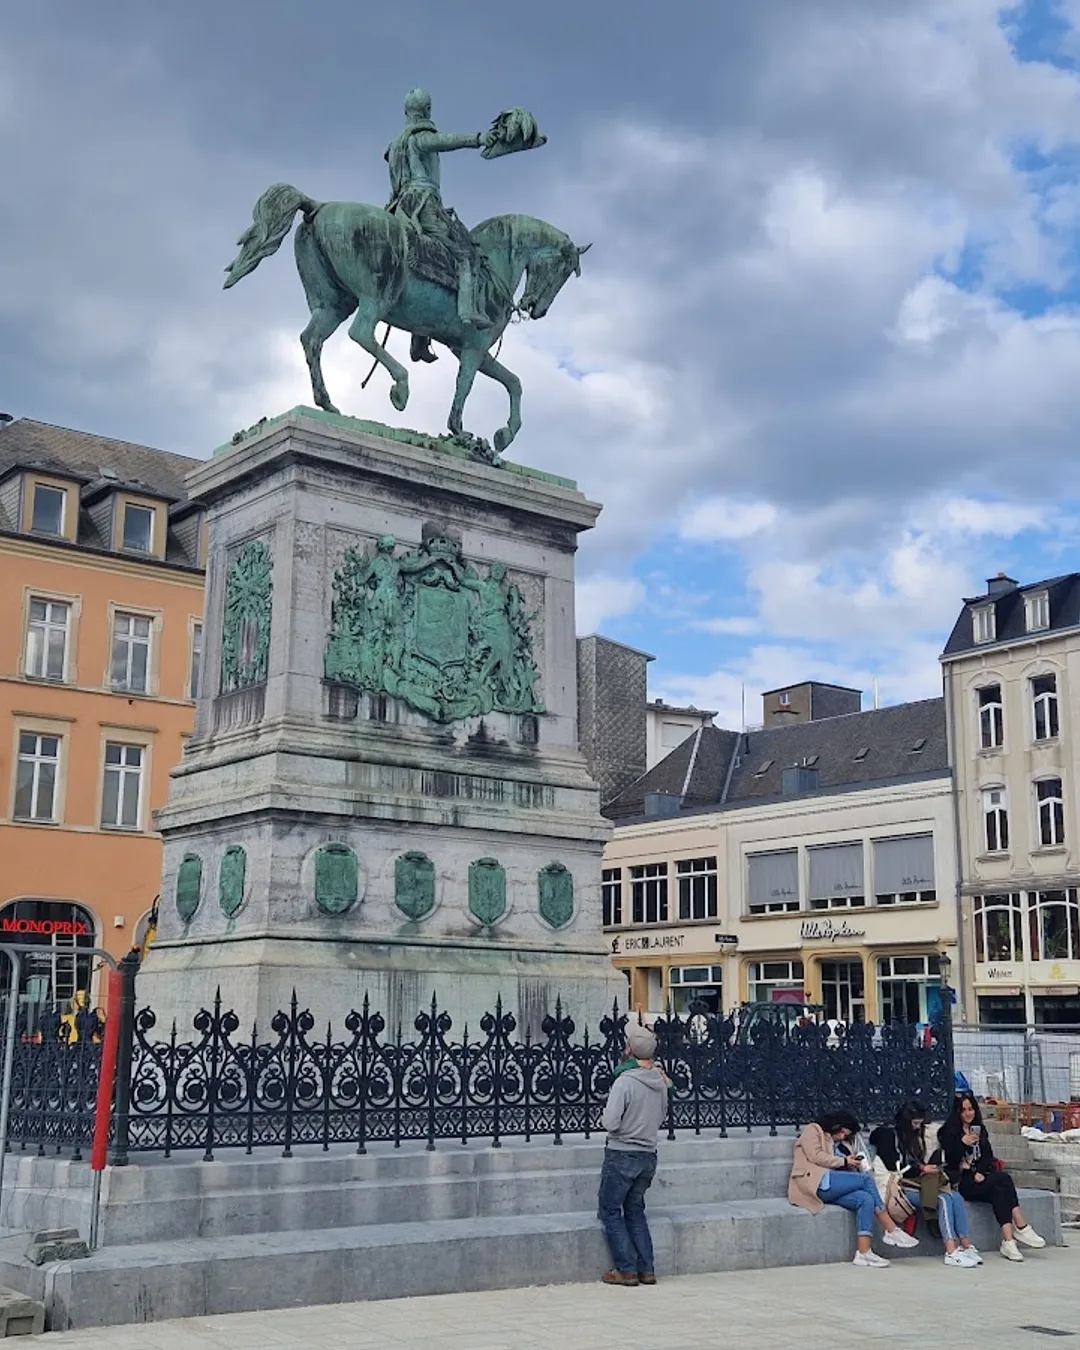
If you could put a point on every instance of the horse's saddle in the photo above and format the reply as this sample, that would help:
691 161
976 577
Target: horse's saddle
431 259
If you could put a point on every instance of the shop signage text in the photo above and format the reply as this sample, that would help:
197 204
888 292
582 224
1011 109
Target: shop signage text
1000 973
45 927
826 930
647 943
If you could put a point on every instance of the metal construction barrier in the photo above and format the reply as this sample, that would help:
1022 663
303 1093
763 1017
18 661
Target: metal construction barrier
1021 1064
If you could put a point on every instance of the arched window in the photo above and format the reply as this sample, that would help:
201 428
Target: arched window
59 966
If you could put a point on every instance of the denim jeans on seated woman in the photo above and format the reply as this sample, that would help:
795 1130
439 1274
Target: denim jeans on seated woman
625 1178
951 1212
855 1191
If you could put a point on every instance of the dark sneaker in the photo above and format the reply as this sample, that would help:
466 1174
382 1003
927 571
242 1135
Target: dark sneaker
619 1277
650 1278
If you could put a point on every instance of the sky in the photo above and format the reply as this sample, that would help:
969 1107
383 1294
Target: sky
822 366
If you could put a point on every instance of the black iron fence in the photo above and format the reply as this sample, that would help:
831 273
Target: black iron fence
359 1084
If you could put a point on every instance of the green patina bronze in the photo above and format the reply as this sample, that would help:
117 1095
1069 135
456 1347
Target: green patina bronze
414 885
487 890
556 887
414 266
231 879
336 878
425 627
188 886
245 637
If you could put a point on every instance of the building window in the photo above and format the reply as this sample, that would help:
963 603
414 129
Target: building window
837 878
985 629
991 718
121 799
611 895
59 966
36 777
999 928
673 734
47 639
776 982
196 660
697 888
1044 704
47 515
842 991
1051 811
1037 611
1055 925
695 989
773 882
904 870
904 988
996 820
131 653
138 528
785 700
649 893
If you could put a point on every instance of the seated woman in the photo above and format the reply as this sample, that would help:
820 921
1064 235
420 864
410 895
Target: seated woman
902 1148
823 1172
973 1170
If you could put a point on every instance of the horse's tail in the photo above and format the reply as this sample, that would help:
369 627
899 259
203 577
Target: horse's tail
271 220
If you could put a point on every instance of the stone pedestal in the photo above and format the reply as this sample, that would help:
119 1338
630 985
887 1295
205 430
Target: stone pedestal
384 793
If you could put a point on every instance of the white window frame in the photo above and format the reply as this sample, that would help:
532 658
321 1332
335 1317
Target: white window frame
1045 705
35 488
123 771
1009 903
995 815
649 883
991 716
47 626
1049 813
38 760
756 978
611 897
197 636
132 614
150 550
699 885
1039 901
983 624
1037 611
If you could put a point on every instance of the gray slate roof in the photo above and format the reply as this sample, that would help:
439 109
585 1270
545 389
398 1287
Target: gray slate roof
716 768
1009 615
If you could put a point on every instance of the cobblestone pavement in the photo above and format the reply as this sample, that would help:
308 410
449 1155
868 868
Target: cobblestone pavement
917 1303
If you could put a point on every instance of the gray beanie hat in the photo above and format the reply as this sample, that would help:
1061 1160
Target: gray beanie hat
641 1040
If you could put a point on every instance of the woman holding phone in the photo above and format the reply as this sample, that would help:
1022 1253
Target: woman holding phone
977 1175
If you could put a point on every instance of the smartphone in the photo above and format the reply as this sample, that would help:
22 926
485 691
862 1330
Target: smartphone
976 1130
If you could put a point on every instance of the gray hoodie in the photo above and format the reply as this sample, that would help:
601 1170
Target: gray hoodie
635 1110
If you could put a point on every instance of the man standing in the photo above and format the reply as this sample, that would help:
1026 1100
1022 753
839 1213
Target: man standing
635 1110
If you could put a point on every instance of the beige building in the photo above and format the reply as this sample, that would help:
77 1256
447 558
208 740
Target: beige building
1012 688
806 862
666 727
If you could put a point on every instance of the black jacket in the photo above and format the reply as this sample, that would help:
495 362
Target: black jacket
954 1151
886 1143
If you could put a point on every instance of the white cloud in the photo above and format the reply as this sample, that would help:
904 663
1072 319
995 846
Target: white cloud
600 598
721 518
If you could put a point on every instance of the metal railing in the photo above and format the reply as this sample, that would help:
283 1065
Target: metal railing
1020 1064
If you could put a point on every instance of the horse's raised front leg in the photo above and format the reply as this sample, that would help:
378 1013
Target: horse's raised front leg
324 321
362 330
469 359
510 382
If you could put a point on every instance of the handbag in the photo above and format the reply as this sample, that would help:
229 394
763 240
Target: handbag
899 1207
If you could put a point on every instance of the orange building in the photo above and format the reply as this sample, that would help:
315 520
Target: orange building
101 598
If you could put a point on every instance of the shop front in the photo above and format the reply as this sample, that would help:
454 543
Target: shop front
679 969
59 965
1026 948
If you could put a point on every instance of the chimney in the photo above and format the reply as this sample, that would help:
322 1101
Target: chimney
1000 585
659 805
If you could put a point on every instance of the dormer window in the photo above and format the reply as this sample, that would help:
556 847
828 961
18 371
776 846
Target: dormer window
1037 611
138 528
47 511
985 629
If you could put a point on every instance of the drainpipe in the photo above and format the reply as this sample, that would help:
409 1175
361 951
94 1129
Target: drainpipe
961 944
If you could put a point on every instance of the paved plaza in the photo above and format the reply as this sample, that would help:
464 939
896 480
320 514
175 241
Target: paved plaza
916 1303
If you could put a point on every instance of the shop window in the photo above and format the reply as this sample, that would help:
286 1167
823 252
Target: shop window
59 967
773 882
1051 810
1002 1010
649 893
999 927
611 895
690 985
1057 1010
991 718
776 982
842 990
697 888
1055 925
47 632
1044 707
909 988
837 879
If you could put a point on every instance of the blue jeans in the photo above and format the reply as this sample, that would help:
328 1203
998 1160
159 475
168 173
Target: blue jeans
624 1179
952 1215
857 1192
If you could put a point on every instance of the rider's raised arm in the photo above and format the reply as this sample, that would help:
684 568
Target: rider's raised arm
439 141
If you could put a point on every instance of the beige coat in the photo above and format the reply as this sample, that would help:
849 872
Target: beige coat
814 1157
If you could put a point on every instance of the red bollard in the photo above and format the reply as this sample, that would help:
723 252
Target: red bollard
106 1082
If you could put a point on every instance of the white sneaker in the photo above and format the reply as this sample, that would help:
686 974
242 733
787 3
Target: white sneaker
959 1258
896 1237
1010 1251
1029 1237
869 1259
974 1253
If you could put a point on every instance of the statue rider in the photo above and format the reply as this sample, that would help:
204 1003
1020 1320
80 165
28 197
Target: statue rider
415 193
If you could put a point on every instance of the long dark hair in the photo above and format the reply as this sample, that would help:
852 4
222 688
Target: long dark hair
913 1140
831 1121
953 1126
